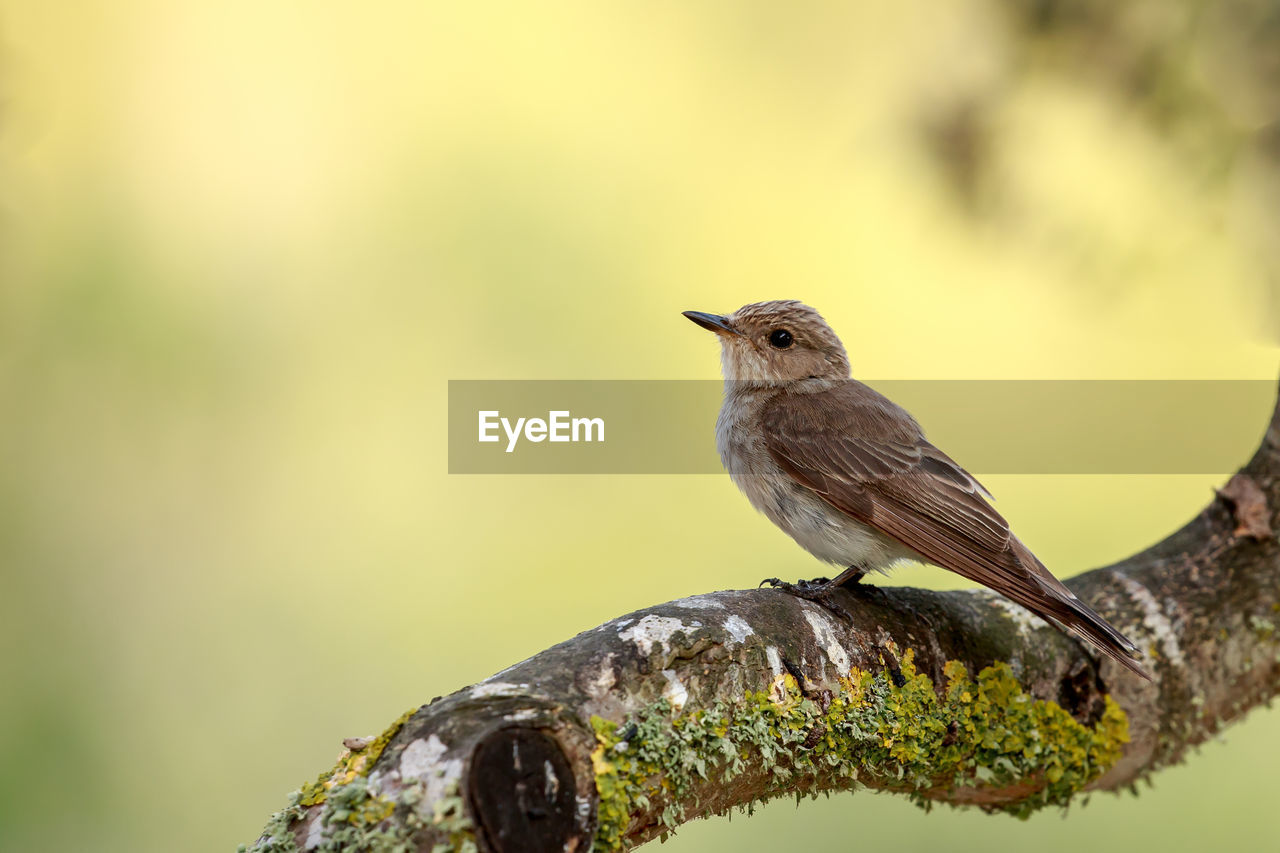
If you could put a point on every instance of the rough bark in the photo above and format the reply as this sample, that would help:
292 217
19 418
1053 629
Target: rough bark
703 704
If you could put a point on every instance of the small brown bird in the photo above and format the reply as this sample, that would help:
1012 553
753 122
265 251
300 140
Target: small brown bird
849 475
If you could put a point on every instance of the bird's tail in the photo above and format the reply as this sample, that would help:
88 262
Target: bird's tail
1079 620
1075 618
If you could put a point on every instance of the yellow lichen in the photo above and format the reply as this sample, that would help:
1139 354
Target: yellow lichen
350 765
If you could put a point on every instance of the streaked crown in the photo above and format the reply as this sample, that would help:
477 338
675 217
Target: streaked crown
781 341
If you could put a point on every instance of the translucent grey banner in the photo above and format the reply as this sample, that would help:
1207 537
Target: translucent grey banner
988 426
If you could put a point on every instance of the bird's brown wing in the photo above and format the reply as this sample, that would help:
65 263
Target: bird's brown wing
868 458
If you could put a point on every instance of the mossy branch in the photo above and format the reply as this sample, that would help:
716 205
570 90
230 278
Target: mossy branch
718 701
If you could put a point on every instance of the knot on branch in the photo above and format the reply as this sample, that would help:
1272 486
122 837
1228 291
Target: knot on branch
523 795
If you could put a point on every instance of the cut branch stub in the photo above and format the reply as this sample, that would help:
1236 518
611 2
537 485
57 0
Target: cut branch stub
523 795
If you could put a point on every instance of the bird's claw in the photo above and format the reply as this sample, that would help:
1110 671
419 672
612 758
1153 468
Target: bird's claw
818 590
799 586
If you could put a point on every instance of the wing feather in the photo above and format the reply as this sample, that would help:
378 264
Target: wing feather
868 458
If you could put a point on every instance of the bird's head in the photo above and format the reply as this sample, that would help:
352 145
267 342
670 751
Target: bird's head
781 341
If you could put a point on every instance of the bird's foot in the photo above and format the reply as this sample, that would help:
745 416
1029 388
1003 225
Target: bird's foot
812 583
819 590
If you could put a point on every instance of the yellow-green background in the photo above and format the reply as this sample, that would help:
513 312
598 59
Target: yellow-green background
243 245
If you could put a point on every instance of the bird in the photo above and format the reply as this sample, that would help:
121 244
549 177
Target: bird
849 475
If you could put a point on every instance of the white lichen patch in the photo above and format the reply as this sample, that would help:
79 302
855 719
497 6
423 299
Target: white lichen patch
422 760
775 660
824 632
655 630
738 628
315 832
378 779
600 680
421 757
551 782
486 689
778 689
521 716
1023 619
675 692
707 601
1154 619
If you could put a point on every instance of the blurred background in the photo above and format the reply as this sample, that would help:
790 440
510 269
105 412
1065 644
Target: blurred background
244 245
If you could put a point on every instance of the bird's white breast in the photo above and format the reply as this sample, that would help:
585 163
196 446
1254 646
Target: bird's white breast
818 527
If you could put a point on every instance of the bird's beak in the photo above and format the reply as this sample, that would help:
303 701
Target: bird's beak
715 322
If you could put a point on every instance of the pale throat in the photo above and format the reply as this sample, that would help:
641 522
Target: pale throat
739 366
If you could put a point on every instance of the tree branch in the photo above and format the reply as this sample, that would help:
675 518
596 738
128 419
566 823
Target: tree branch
699 705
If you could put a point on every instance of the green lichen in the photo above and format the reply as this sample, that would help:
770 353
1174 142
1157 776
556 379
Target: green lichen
353 819
449 819
983 733
276 837
357 819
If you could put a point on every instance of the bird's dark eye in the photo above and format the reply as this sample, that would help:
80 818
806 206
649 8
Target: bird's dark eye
780 338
